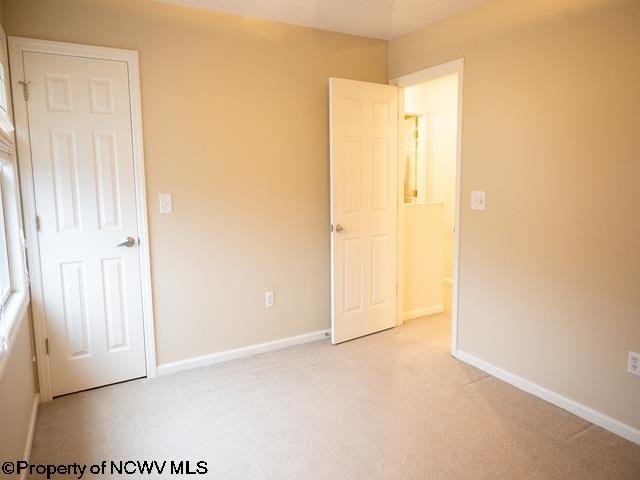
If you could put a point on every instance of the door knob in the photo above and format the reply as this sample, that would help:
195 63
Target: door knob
129 242
340 228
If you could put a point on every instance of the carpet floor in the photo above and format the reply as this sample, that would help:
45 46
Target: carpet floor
394 405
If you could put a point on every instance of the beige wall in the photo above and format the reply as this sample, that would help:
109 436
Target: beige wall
423 251
17 392
236 128
549 275
235 123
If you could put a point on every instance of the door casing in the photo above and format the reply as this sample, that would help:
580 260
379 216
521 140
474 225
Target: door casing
17 46
454 66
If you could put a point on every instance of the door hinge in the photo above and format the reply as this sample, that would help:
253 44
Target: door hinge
25 89
415 134
46 345
331 228
37 223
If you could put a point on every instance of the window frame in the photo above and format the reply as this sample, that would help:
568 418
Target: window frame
5 290
6 122
15 301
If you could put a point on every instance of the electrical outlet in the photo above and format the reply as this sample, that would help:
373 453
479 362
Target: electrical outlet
269 299
633 366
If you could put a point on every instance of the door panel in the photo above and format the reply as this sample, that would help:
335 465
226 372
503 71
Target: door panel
107 181
364 136
74 309
82 156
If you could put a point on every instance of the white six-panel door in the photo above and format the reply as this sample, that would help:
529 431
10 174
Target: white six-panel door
364 136
82 156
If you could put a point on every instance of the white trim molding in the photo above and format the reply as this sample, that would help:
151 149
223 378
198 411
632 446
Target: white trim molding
17 46
589 414
16 309
422 312
248 351
454 66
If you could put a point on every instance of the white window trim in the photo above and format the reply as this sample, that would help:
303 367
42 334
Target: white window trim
4 245
6 123
14 308
14 313
7 126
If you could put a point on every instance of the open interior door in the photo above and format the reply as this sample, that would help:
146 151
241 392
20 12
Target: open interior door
364 169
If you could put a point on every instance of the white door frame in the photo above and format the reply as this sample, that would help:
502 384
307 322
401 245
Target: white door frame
17 46
454 66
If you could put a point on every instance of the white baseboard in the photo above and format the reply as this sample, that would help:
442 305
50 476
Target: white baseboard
26 455
422 312
248 351
447 281
587 413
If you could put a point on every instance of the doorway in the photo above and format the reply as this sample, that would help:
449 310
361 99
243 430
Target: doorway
428 207
381 177
79 141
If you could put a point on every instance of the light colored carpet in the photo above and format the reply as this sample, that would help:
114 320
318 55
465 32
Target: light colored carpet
393 405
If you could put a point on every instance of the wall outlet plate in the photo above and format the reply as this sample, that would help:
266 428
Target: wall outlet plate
633 365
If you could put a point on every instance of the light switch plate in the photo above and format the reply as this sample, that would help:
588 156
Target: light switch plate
269 299
478 200
633 365
166 203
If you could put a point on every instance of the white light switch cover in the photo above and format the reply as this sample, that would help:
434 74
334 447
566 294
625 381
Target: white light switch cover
269 299
478 200
166 203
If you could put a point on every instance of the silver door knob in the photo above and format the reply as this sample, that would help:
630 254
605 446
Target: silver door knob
129 242
340 228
